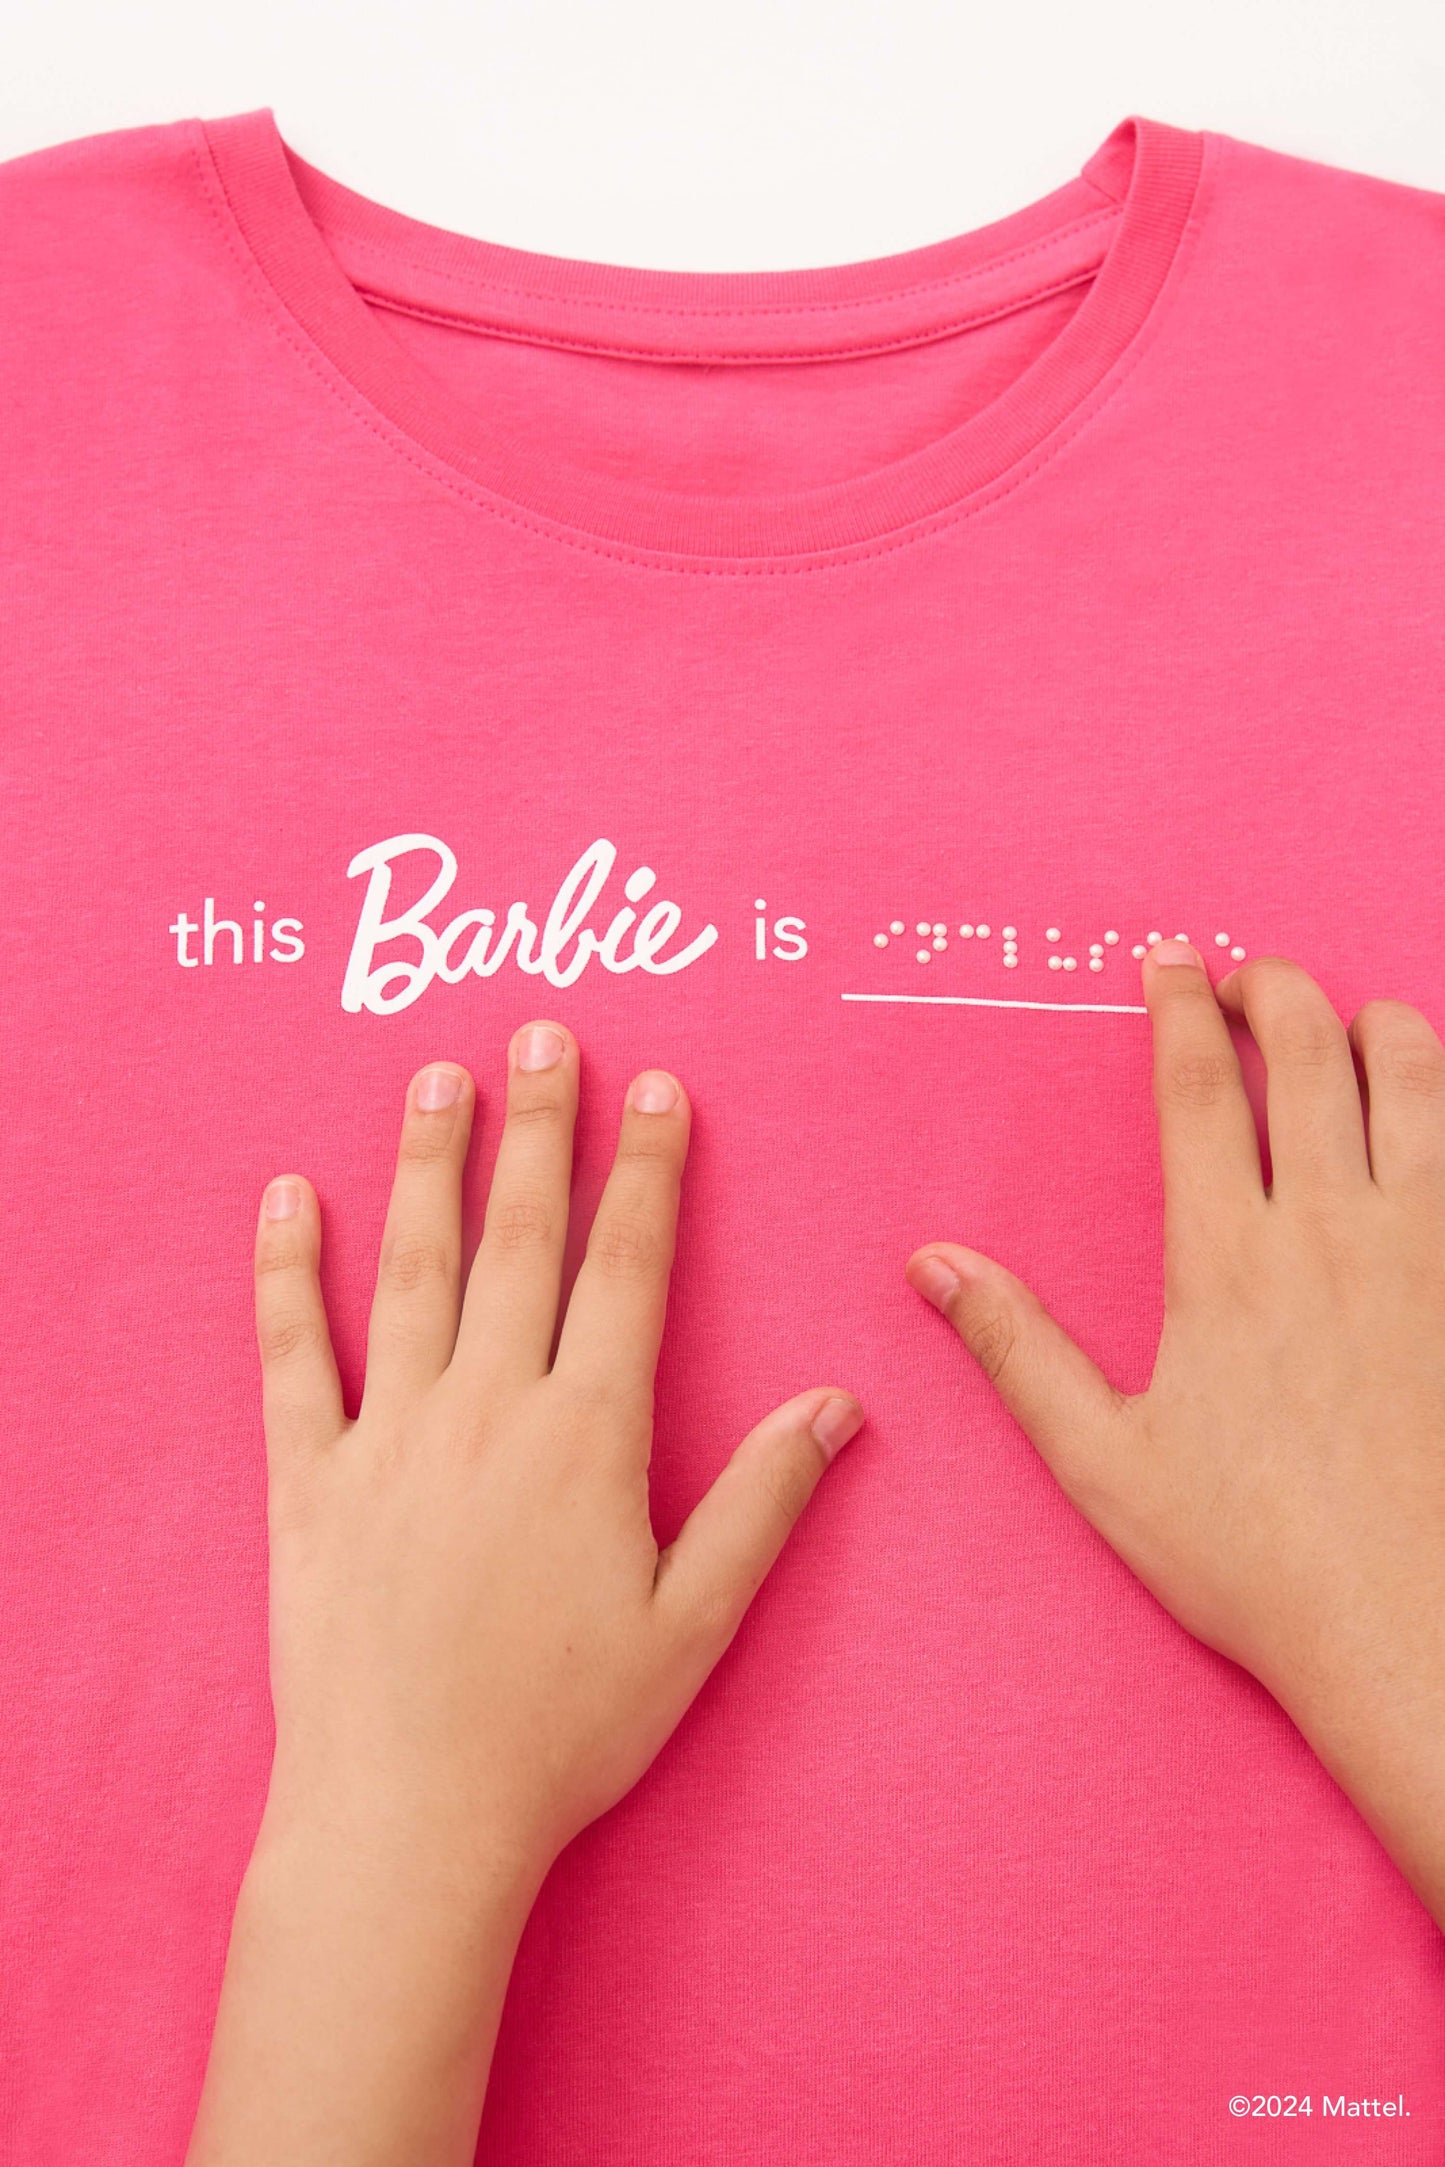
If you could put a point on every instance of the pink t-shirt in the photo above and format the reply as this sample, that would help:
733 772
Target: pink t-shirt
868 659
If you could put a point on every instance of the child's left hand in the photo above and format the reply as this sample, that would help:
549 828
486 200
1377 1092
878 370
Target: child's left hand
476 1646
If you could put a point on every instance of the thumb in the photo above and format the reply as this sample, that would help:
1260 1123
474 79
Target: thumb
726 1546
1046 1382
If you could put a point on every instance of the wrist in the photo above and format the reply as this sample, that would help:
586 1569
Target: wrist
390 1850
368 1960
1378 1727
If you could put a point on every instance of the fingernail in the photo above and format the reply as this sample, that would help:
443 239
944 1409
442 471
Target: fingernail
1177 952
654 1092
835 1422
933 1278
436 1088
540 1047
282 1200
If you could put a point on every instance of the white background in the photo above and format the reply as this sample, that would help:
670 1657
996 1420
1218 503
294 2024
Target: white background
742 134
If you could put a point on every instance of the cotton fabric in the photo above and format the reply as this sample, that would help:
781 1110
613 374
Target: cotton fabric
1072 578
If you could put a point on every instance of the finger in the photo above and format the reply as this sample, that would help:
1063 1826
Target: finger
300 1390
613 1327
725 1549
1207 1141
1404 1064
1049 1385
1312 1098
510 1310
413 1323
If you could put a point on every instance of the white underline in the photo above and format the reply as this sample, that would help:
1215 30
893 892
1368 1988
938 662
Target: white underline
972 1000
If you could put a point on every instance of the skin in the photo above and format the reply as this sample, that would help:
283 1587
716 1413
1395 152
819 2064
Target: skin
476 1645
1280 1486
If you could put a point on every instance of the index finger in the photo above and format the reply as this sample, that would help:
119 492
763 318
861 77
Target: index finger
1207 1137
613 1327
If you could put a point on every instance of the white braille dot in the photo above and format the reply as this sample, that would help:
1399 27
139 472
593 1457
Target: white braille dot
1056 963
1096 963
1096 948
1010 948
923 926
1071 963
1221 940
897 926
1182 937
940 945
982 932
1052 933
1154 939
1112 939
939 929
1139 949
923 956
965 932
1010 932
880 940
1238 954
1010 962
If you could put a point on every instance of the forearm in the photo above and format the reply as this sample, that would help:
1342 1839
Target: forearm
362 1993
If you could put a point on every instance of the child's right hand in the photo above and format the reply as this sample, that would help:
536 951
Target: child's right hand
1280 1486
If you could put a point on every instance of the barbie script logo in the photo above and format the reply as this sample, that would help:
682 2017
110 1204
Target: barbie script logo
472 943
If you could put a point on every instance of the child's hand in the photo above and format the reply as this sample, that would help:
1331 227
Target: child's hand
472 1629
1281 1484
475 1644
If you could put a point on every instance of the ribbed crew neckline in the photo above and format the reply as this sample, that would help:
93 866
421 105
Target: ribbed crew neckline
329 253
